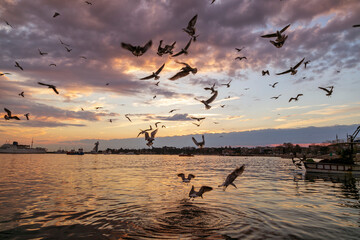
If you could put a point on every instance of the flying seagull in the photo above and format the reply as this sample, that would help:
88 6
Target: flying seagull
222 106
173 110
276 97
144 131
9 116
280 38
2 74
127 116
232 176
136 50
21 94
240 58
306 63
50 86
150 138
273 85
68 49
212 1
199 144
166 49
239 49
210 100
42 53
190 29
18 66
297 163
184 179
56 14
184 71
212 89
157 84
328 91
193 194
263 72
198 119
52 64
64 43
7 23
154 75
27 116
356 25
157 124
295 98
292 70
183 50
88 3
227 84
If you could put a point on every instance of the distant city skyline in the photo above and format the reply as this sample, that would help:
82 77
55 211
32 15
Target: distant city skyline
99 81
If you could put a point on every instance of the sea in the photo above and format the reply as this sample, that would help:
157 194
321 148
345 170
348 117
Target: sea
57 196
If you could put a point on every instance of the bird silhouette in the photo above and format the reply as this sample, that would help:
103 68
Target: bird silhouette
50 86
18 66
183 50
239 49
328 91
42 53
210 100
263 72
198 119
280 38
68 49
2 74
273 85
56 14
276 97
167 49
21 94
127 116
306 63
184 71
199 144
52 64
356 25
193 194
197 124
212 89
232 176
154 75
296 98
137 50
67 45
7 23
190 29
150 138
88 3
9 116
240 58
184 179
157 124
292 70
27 116
227 84
173 110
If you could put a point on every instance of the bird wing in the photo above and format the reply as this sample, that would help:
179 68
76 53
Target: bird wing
55 90
297 65
179 75
148 77
190 176
183 63
147 136
44 84
203 138
192 22
291 99
16 117
287 71
326 90
212 98
147 46
159 70
194 140
179 53
128 46
188 44
192 191
8 112
153 133
204 189
159 47
300 94
286 27
269 35
181 175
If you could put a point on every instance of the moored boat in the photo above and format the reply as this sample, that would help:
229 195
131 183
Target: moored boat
186 155
17 148
73 152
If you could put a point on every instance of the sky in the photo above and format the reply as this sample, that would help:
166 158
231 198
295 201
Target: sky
98 72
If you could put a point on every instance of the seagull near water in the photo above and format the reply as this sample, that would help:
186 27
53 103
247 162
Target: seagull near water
232 176
150 138
9 116
292 70
199 144
137 50
210 100
193 194
50 86
154 75
184 179
184 71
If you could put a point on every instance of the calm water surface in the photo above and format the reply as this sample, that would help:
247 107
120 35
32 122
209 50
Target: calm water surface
141 197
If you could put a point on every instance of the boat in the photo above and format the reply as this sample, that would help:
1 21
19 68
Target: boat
15 147
348 163
186 155
73 152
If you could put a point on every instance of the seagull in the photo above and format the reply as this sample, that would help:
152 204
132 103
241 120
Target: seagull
190 29
83 57
212 1
227 84
42 53
328 92
56 14
27 116
154 96
239 49
50 86
240 58
276 97
306 63
295 98
210 100
98 108
193 194
280 38
21 94
2 74
7 23
212 89
232 176
222 106
166 49
157 84
184 71
154 75
88 3
197 124
356 25
173 110
184 179
265 72
199 144
8 116
127 116
157 124
273 85
150 139
183 50
163 126
18 66
144 131
64 43
216 122
136 50
198 119
292 69
107 84
52 64
68 49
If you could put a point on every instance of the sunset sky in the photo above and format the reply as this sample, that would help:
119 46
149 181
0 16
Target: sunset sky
320 31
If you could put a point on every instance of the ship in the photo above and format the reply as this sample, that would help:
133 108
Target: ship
80 151
15 147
